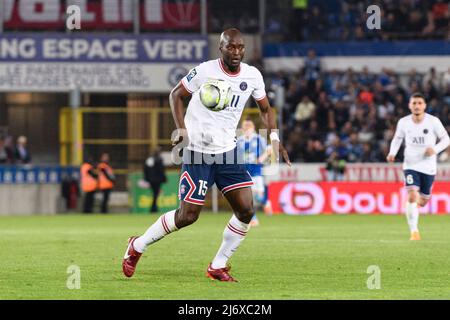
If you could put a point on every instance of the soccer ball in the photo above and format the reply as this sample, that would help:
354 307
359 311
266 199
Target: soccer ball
215 94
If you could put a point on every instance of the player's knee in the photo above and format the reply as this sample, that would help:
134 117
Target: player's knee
246 213
413 196
423 202
188 216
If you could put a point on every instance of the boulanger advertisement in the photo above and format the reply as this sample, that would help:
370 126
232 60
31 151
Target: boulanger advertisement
309 198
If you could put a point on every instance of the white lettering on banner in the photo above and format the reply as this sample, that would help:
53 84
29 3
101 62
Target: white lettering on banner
117 11
99 77
383 172
25 48
8 6
364 202
172 49
348 198
436 199
86 15
39 10
112 11
391 208
338 198
153 11
110 8
77 48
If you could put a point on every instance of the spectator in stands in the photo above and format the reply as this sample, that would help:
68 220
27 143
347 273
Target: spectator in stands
439 14
445 84
89 183
304 110
335 167
355 149
315 151
414 76
431 78
154 174
21 153
312 69
6 153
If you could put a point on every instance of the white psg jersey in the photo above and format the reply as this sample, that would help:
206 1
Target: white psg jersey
215 131
418 137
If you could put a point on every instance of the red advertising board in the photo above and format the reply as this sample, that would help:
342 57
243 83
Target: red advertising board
305 198
102 14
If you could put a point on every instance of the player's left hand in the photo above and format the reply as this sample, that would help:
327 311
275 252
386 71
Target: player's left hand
278 149
429 152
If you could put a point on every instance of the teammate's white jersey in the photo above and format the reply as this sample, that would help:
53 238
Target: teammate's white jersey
215 131
418 137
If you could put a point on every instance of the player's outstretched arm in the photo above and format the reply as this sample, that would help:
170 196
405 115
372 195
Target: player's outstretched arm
268 119
177 106
396 143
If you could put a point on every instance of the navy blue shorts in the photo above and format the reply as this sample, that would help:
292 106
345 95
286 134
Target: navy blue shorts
419 181
200 171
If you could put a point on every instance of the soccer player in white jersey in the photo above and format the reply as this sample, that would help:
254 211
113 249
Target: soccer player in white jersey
212 135
420 131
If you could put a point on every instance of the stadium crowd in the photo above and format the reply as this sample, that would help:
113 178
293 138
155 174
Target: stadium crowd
337 20
346 20
14 154
351 114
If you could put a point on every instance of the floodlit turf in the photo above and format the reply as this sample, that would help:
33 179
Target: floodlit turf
286 257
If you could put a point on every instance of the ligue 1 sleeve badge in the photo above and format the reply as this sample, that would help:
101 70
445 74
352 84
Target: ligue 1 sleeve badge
243 86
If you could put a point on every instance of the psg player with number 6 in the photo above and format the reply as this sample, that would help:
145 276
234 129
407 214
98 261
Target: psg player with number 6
420 131
211 155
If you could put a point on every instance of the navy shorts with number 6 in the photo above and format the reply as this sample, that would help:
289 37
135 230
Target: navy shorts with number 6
200 171
419 181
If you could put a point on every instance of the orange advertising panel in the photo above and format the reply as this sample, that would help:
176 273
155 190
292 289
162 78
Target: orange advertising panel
306 198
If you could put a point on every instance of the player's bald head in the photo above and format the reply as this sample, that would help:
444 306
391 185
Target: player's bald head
232 47
228 35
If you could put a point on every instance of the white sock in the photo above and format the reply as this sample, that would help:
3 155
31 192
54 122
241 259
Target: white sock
412 214
233 235
162 227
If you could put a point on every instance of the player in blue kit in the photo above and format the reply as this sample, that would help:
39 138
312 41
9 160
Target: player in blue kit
255 150
210 154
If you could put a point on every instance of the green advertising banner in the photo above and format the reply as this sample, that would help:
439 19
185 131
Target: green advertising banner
141 197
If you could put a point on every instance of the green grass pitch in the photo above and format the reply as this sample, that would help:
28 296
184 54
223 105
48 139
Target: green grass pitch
286 257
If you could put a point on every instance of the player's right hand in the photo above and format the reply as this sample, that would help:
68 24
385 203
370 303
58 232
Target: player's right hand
390 158
178 136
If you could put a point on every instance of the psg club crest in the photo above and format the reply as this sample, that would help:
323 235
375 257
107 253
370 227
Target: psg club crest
182 189
425 131
243 86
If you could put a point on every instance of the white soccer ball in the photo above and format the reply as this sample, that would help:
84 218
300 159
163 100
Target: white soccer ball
215 94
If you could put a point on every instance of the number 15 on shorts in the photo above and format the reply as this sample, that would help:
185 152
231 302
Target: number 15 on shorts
203 187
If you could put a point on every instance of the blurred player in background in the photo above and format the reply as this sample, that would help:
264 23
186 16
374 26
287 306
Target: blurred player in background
255 150
208 134
420 131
